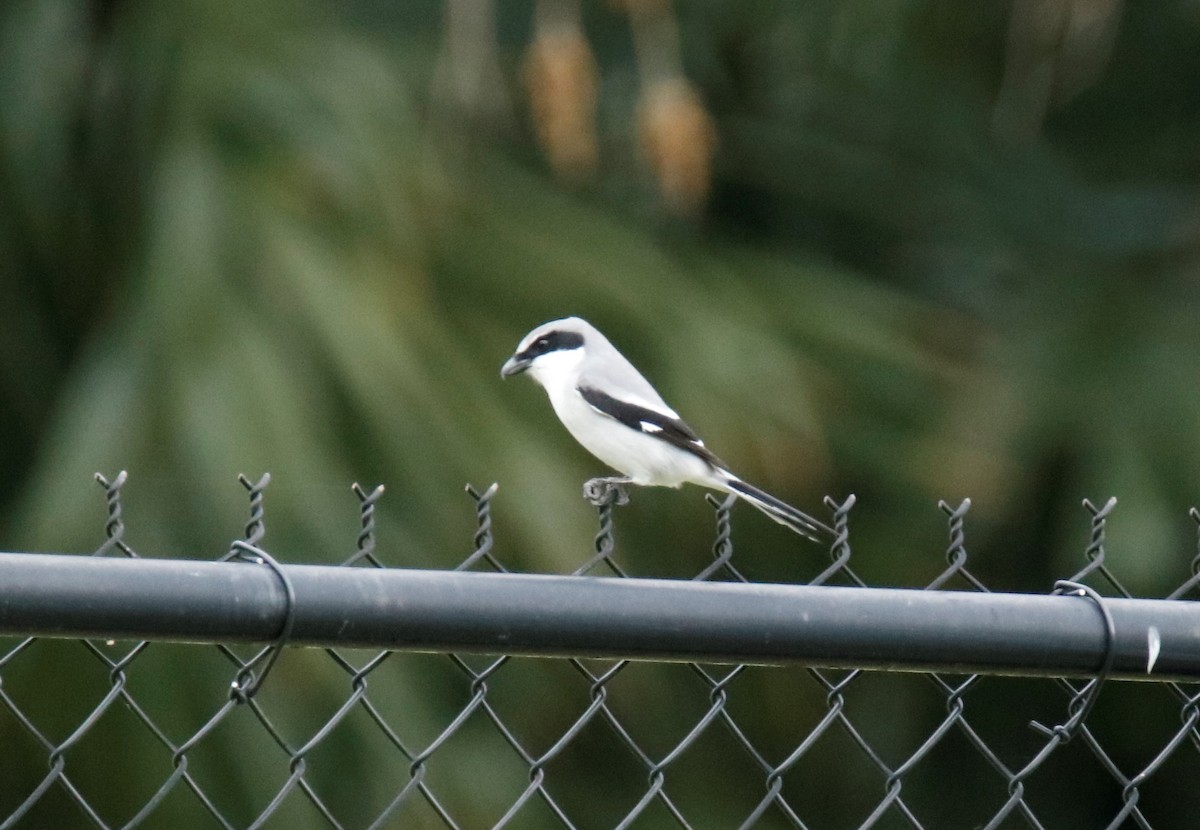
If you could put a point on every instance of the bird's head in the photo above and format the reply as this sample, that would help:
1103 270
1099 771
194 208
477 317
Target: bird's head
552 349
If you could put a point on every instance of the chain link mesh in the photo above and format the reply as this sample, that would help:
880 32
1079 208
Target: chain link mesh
353 738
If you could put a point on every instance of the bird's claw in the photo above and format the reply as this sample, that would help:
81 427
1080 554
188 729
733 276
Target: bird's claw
601 491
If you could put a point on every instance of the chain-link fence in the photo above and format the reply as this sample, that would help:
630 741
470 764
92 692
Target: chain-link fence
132 693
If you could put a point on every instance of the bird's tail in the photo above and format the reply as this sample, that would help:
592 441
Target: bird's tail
780 511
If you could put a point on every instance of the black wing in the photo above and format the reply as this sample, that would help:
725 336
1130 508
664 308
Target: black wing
650 422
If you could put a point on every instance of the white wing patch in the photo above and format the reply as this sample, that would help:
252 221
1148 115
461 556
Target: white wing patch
647 426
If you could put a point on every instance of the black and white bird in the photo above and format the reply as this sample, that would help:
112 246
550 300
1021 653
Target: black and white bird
614 412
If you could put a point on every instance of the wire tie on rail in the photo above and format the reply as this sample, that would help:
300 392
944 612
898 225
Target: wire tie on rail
1067 730
246 684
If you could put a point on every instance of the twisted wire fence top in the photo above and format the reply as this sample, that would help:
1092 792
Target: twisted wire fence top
268 735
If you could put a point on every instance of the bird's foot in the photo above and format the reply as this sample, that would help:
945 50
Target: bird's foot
601 491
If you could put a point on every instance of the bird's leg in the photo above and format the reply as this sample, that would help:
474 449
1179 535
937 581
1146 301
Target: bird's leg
599 490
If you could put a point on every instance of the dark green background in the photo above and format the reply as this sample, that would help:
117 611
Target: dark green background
951 249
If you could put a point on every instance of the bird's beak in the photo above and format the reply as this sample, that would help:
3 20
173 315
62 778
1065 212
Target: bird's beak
514 366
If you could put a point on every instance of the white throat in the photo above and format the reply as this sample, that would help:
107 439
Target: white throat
558 370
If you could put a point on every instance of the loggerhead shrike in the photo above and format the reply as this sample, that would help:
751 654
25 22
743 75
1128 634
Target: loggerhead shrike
614 412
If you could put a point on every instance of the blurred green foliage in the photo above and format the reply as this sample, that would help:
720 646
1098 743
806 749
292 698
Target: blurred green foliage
915 250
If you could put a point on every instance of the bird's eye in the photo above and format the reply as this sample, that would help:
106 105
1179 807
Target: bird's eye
541 342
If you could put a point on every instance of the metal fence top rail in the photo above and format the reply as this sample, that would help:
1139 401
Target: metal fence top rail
423 610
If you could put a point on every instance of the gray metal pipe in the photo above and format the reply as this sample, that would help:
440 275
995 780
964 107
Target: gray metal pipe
879 628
